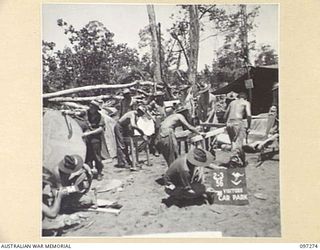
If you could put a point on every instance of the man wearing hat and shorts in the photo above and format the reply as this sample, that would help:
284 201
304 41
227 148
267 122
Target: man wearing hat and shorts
236 112
166 141
94 137
124 128
184 178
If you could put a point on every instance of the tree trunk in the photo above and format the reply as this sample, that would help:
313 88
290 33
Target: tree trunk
245 47
194 44
155 45
244 34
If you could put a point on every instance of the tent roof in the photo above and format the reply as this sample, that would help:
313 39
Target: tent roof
269 73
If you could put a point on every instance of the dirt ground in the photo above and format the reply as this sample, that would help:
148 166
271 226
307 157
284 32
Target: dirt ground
143 211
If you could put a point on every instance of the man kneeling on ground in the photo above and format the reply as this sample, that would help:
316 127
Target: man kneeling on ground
58 199
184 178
74 175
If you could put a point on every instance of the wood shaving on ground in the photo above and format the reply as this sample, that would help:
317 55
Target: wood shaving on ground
260 196
215 211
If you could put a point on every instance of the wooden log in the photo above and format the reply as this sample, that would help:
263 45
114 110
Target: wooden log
83 99
93 87
145 83
216 125
75 105
215 132
100 209
209 134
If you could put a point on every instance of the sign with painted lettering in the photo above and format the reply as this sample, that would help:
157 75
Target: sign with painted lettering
230 186
248 83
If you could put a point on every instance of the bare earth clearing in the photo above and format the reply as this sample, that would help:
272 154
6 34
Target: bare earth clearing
144 213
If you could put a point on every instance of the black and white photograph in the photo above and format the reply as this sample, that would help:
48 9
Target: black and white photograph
160 120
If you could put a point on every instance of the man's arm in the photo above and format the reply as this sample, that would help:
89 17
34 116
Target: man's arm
248 112
93 132
53 211
134 124
97 130
138 129
187 125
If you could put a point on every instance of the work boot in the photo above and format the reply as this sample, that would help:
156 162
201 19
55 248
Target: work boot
99 177
209 198
94 171
133 169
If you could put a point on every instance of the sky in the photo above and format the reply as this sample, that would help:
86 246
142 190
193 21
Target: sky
125 21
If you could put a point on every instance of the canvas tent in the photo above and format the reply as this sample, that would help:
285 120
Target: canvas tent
263 92
109 145
62 135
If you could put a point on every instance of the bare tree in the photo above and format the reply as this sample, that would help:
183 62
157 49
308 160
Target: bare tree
155 44
194 43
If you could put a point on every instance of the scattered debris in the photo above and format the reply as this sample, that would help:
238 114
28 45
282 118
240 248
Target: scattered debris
104 210
215 211
260 196
82 215
105 203
89 224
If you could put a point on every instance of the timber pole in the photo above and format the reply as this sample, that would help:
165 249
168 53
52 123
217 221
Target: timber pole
155 45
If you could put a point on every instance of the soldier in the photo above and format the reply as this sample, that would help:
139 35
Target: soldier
94 137
166 141
206 104
124 128
236 112
184 178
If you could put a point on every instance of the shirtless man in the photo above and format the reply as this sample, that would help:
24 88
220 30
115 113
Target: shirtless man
158 114
124 128
166 141
236 112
